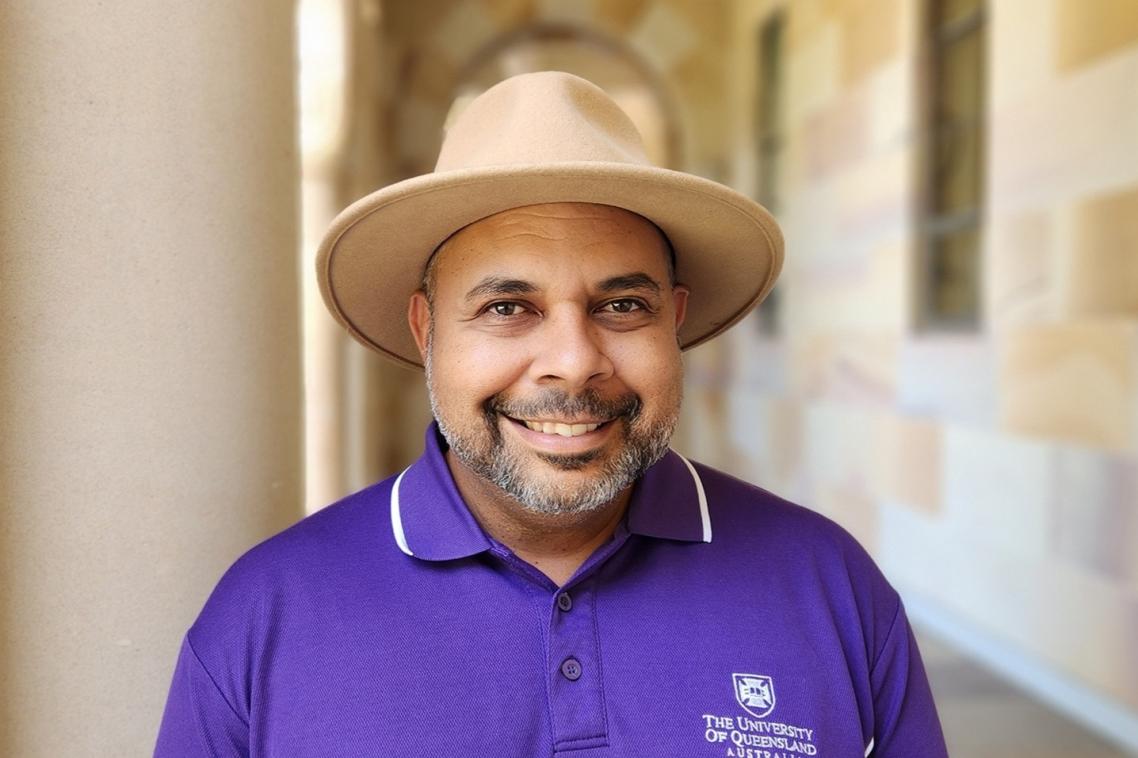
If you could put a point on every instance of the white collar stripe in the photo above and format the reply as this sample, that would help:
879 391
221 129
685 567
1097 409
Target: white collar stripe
397 518
869 748
704 515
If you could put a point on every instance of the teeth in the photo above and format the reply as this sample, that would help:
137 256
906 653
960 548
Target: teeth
563 430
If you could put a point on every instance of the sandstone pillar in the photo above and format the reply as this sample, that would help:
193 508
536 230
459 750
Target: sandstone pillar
150 397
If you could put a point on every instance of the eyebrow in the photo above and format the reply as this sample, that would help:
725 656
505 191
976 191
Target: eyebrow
637 281
494 286
499 285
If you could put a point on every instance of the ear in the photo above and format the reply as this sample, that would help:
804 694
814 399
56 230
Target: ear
680 302
419 319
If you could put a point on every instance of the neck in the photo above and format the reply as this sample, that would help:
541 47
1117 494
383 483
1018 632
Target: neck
555 544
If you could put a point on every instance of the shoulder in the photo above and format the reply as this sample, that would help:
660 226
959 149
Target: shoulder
358 524
769 544
326 550
764 533
744 511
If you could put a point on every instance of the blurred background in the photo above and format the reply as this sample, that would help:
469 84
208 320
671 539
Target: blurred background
948 367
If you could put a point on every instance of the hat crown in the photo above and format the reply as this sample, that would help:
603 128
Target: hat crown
538 119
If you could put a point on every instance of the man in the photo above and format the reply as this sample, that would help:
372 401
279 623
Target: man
548 578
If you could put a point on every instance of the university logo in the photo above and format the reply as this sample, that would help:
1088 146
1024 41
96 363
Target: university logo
755 693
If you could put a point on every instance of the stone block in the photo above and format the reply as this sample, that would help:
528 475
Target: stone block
1099 256
835 135
464 29
890 95
1088 30
430 77
1021 270
952 378
710 21
698 82
873 198
1074 382
1072 137
749 431
508 13
808 217
1069 618
766 432
702 433
915 553
835 453
864 294
853 509
582 12
1020 49
871 37
1096 512
621 17
807 19
1084 625
813 69
998 490
855 369
1127 669
419 130
908 456
758 362
664 37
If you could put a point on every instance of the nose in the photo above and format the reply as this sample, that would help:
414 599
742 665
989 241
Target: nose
570 351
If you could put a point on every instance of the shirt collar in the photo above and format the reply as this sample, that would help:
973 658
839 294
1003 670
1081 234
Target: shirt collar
430 520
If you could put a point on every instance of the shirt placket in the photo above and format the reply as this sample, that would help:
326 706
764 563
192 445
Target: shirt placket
575 681
573 663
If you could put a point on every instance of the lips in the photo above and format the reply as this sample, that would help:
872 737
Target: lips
562 428
558 416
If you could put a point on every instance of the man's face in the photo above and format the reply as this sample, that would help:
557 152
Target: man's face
552 360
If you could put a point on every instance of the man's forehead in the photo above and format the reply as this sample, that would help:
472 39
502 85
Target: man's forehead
585 221
524 236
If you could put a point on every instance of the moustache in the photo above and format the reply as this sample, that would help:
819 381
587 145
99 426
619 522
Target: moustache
559 404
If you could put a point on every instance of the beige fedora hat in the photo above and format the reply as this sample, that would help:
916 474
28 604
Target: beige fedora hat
542 138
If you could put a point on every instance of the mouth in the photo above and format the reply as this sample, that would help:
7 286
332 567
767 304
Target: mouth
562 428
563 437
555 424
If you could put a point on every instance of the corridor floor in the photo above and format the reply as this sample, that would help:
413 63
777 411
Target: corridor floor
986 717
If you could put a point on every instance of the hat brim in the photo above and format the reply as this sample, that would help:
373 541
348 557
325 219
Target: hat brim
729 249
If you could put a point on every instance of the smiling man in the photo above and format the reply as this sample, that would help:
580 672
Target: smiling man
549 336
549 578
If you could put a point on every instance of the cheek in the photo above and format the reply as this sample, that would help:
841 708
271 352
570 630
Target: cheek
652 367
473 369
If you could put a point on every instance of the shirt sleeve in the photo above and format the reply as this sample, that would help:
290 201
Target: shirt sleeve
905 719
198 720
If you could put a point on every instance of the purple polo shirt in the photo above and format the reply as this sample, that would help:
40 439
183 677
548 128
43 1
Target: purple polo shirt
719 620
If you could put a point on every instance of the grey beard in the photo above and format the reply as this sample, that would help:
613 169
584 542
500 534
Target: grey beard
497 464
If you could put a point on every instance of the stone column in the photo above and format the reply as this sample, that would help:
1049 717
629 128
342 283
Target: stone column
150 371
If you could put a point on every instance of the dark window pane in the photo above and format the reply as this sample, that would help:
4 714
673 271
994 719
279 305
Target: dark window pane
957 178
770 144
954 277
954 11
959 80
955 161
769 117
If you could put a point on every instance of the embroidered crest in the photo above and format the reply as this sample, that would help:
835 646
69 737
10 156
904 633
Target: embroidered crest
755 693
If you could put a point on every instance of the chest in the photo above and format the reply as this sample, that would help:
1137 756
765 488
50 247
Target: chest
614 666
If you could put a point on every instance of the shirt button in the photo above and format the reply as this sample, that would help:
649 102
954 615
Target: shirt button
564 602
571 669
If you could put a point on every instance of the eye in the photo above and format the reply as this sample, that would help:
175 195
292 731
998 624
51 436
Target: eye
624 305
505 309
